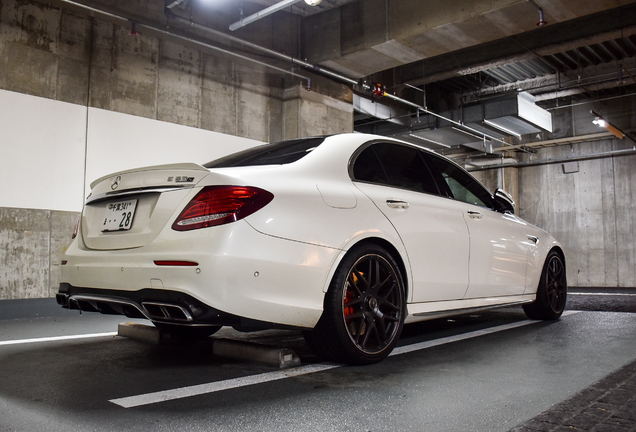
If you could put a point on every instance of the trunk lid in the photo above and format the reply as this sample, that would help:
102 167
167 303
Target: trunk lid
128 209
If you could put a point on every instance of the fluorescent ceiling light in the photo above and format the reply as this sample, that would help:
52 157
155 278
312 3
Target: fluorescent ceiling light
501 128
429 140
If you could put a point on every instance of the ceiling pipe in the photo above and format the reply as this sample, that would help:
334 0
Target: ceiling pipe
591 101
602 155
228 52
559 141
262 14
186 22
541 22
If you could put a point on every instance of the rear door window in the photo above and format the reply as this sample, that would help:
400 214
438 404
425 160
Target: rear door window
394 165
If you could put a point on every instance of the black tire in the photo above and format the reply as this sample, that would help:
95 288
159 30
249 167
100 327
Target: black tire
364 309
552 290
187 333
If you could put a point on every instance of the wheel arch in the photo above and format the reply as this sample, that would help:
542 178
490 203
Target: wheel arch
399 258
561 252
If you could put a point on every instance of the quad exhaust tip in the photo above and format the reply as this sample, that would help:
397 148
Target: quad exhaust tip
153 311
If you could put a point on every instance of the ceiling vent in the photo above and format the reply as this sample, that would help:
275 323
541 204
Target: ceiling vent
517 115
512 115
372 108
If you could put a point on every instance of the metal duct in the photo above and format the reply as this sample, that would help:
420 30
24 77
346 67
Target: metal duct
379 110
517 115
476 126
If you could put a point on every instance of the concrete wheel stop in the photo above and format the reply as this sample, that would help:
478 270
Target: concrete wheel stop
141 332
232 349
240 350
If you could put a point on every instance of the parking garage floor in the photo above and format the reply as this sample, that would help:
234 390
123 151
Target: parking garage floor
494 371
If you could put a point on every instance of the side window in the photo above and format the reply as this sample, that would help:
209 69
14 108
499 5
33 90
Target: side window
462 186
395 165
367 167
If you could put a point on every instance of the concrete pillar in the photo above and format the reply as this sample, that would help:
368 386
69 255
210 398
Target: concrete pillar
510 182
325 109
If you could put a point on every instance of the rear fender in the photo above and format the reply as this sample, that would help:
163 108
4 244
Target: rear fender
384 240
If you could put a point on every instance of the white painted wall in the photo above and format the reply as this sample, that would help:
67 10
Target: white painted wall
42 144
118 142
49 156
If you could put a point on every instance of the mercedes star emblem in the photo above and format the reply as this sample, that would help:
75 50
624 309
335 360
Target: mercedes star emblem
115 184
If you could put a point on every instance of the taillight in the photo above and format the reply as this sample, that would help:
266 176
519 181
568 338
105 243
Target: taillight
218 205
76 229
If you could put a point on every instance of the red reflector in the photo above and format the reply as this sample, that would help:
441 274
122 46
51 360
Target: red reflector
218 205
177 263
76 229
64 262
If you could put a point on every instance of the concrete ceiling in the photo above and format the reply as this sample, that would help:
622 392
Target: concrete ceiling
582 56
482 47
366 37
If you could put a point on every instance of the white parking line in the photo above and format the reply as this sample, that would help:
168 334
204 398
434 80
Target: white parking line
57 338
436 342
600 294
183 392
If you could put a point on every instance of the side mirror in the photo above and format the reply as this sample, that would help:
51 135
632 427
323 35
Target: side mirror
504 201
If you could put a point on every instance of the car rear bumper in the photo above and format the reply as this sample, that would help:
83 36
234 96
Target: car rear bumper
239 272
160 306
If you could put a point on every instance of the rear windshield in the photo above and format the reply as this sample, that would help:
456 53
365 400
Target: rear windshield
279 153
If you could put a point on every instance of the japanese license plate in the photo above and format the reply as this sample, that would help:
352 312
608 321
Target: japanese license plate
118 216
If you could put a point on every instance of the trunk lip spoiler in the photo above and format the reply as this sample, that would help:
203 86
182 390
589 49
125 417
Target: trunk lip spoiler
178 166
136 191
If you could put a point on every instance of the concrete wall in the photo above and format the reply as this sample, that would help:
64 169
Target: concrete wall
591 212
32 243
65 56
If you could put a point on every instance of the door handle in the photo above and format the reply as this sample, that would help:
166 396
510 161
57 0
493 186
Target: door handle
475 214
397 204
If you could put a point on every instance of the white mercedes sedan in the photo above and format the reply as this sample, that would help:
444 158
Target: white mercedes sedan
347 237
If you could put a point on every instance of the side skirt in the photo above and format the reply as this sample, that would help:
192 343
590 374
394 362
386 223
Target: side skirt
433 310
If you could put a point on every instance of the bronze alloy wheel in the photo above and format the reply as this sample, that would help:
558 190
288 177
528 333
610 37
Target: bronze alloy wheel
372 304
364 308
